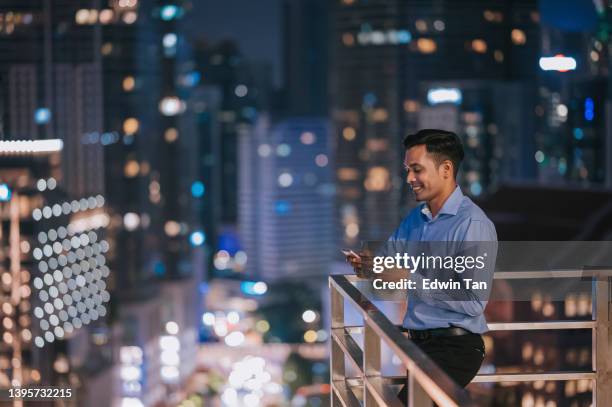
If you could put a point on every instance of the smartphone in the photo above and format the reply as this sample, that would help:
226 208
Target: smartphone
349 252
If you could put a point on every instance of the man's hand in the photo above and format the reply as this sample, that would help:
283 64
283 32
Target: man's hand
355 260
359 262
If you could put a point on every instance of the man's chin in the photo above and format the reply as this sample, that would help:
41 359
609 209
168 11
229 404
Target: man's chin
420 196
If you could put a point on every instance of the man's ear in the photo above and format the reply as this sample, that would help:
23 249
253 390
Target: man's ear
447 168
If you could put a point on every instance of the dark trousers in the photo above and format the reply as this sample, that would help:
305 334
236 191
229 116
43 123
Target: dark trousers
459 356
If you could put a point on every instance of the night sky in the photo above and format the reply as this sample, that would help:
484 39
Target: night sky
254 25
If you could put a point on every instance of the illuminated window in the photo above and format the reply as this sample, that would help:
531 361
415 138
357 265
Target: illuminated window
548 309
106 48
172 228
169 12
411 106
377 179
82 16
379 115
307 137
128 83
518 37
264 150
499 56
583 172
348 174
171 106
92 18
130 17
562 110
131 221
426 45
154 192
479 46
130 126
584 304
241 91
171 135
283 150
493 16
127 3
421 25
169 40
349 133
285 179
538 356
131 168
348 39
439 25
310 336
351 230
145 167
106 16
321 160
377 145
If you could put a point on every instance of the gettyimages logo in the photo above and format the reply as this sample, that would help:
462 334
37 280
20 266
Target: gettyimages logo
404 261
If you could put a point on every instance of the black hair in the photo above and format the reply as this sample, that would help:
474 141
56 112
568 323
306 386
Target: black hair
442 144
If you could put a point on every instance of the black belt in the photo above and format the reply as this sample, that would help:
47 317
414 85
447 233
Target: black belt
424 334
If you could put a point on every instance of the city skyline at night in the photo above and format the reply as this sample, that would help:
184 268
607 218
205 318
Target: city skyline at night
178 180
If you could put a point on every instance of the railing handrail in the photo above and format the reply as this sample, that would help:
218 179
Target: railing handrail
586 272
435 382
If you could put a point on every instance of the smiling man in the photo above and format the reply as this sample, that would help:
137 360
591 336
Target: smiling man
448 331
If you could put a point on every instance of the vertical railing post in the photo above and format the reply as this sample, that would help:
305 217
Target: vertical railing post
337 370
417 396
602 391
371 361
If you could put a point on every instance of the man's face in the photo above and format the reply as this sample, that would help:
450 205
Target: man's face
426 178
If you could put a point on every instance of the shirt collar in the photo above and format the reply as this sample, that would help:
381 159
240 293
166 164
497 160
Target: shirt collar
450 207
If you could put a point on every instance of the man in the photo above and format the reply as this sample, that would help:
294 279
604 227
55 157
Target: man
448 331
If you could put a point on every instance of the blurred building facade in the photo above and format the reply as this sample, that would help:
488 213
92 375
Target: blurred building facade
573 121
305 56
51 86
232 90
286 199
22 361
103 77
407 65
473 68
242 90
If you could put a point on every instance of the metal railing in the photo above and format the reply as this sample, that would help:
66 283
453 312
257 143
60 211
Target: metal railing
427 383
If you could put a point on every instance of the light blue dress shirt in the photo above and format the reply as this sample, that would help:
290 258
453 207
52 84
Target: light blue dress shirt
459 220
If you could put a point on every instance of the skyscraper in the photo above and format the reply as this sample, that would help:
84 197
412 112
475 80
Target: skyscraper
572 133
242 92
231 92
51 87
305 48
54 276
387 58
286 199
102 75
366 94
